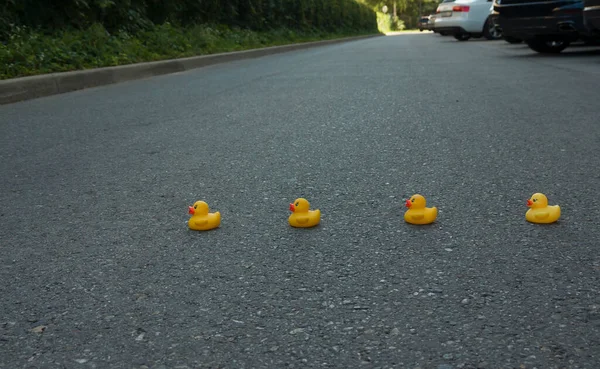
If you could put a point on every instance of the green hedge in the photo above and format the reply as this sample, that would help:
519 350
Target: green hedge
29 52
388 23
138 15
43 36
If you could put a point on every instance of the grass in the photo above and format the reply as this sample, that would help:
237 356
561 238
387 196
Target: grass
386 23
28 52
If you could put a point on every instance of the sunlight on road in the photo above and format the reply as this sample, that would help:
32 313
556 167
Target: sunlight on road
415 32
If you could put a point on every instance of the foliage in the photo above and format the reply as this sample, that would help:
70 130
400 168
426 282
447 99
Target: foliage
388 23
408 12
397 24
384 23
41 36
30 52
134 16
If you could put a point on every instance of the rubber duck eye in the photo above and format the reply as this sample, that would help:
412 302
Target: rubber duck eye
413 200
534 200
195 206
297 204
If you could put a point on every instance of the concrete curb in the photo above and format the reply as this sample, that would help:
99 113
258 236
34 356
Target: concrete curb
26 88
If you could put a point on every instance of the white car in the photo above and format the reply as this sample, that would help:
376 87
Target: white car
465 19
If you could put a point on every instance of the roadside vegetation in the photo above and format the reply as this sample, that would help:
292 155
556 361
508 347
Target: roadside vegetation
30 52
400 15
40 36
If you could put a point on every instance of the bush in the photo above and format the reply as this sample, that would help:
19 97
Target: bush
384 23
397 24
388 23
40 36
135 16
30 52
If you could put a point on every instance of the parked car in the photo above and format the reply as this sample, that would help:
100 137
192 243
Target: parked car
423 23
432 18
591 17
465 19
494 20
546 26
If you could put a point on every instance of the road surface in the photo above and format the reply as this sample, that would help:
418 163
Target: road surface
99 269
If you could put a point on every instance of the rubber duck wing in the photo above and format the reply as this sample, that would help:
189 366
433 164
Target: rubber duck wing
302 220
418 216
542 214
201 222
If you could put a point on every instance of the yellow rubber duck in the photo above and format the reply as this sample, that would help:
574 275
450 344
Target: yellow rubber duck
301 216
540 211
417 213
201 219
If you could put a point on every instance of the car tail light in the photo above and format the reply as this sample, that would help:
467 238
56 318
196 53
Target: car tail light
461 8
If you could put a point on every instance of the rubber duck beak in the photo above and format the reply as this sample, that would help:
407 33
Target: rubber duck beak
191 210
529 202
292 208
408 203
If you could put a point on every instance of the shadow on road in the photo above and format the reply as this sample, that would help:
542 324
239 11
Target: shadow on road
565 54
453 40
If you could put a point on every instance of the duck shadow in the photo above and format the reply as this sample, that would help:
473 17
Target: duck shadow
304 229
558 223
422 226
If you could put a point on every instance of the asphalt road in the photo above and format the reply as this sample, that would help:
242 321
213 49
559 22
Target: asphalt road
99 268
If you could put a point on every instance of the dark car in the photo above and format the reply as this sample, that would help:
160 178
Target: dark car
546 26
591 17
510 40
423 23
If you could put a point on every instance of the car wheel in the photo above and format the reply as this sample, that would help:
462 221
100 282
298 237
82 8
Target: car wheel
546 46
462 36
490 31
512 40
